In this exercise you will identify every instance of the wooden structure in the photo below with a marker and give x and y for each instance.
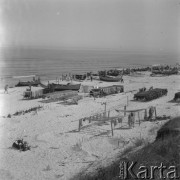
(28, 94)
(105, 117)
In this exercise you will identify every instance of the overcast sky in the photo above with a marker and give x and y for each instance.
(114, 24)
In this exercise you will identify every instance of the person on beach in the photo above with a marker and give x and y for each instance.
(6, 89)
(151, 112)
(131, 120)
(91, 77)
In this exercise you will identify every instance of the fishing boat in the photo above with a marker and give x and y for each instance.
(110, 78)
(80, 77)
(163, 70)
(27, 83)
(62, 87)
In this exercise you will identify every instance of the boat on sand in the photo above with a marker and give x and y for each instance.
(62, 87)
(110, 78)
(27, 83)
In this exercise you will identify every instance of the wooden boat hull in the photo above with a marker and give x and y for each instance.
(61, 87)
(167, 72)
(20, 84)
(110, 79)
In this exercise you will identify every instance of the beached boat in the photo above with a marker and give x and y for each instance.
(163, 70)
(81, 77)
(166, 72)
(110, 78)
(27, 83)
(62, 87)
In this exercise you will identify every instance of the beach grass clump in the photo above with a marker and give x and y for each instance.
(136, 143)
(77, 146)
(35, 109)
(139, 142)
(48, 168)
(153, 130)
(9, 116)
(128, 150)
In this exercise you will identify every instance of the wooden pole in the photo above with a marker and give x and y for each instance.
(108, 114)
(155, 112)
(139, 118)
(127, 100)
(145, 114)
(112, 127)
(124, 110)
(90, 119)
(80, 124)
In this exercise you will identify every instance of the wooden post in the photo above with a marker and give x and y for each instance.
(145, 114)
(155, 112)
(127, 100)
(124, 110)
(139, 118)
(80, 124)
(90, 119)
(112, 127)
(105, 106)
(108, 114)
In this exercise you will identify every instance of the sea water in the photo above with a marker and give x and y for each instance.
(23, 63)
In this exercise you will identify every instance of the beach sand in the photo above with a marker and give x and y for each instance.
(58, 150)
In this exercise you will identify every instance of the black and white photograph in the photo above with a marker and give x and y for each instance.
(89, 89)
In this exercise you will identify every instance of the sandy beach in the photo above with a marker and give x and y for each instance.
(58, 149)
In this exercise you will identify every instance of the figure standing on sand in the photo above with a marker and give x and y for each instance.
(6, 89)
(91, 77)
(131, 119)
